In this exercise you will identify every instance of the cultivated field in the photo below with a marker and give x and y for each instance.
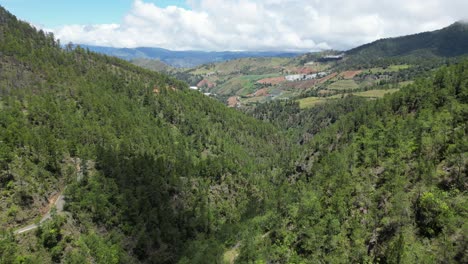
(375, 93)
(311, 101)
(391, 68)
(343, 85)
(349, 74)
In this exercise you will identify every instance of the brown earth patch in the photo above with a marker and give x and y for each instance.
(325, 92)
(302, 84)
(261, 92)
(306, 70)
(205, 83)
(349, 74)
(232, 101)
(326, 78)
(274, 80)
(52, 200)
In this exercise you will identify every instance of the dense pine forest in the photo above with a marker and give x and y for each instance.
(153, 172)
(422, 49)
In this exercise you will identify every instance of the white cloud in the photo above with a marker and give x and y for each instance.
(267, 24)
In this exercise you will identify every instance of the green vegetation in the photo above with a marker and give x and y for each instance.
(405, 83)
(242, 85)
(428, 47)
(343, 85)
(370, 187)
(149, 165)
(231, 255)
(375, 93)
(310, 101)
(391, 68)
(246, 65)
(157, 173)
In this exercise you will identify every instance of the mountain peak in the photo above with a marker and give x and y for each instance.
(460, 24)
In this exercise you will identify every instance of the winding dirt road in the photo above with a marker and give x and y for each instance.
(59, 204)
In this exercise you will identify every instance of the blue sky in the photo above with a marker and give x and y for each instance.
(260, 25)
(54, 13)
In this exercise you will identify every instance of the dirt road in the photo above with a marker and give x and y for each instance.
(59, 204)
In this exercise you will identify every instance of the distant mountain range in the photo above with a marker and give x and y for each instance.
(183, 59)
(451, 41)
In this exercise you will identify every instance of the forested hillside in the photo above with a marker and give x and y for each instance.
(448, 42)
(385, 183)
(153, 172)
(147, 164)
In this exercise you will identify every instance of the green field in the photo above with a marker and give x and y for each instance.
(236, 86)
(391, 68)
(343, 85)
(311, 101)
(405, 83)
(375, 93)
(284, 94)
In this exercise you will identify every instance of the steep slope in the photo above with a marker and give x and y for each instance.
(451, 41)
(156, 173)
(386, 183)
(147, 164)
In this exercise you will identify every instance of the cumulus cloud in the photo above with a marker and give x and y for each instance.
(304, 25)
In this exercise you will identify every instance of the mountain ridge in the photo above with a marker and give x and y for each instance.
(450, 41)
(183, 59)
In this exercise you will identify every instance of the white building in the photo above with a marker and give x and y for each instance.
(295, 77)
(303, 77)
